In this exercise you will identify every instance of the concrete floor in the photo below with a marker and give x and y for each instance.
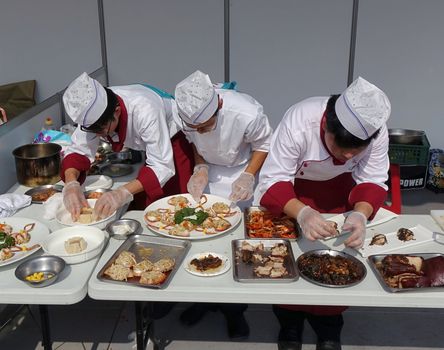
(110, 325)
(100, 325)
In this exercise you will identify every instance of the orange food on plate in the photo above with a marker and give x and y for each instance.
(263, 224)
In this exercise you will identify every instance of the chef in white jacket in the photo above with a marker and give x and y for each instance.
(328, 155)
(136, 116)
(230, 136)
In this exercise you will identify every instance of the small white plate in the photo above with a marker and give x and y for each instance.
(382, 216)
(438, 215)
(422, 235)
(54, 244)
(94, 182)
(213, 272)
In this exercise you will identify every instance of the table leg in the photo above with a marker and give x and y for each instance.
(142, 336)
(44, 318)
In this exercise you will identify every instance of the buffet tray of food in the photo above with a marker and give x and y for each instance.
(262, 224)
(331, 268)
(258, 260)
(408, 272)
(42, 193)
(145, 261)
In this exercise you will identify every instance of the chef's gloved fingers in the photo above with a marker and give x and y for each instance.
(313, 225)
(74, 199)
(198, 181)
(355, 223)
(109, 202)
(242, 188)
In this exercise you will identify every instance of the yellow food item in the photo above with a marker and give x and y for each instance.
(38, 277)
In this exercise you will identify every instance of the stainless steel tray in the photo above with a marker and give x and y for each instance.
(244, 272)
(362, 271)
(152, 248)
(43, 188)
(288, 222)
(373, 260)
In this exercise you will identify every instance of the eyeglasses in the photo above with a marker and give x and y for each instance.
(202, 129)
(96, 130)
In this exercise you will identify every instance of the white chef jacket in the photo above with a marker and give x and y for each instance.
(297, 151)
(150, 126)
(242, 127)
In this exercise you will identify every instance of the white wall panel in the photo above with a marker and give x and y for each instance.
(51, 41)
(400, 47)
(283, 51)
(160, 42)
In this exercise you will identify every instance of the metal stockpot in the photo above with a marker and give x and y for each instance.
(406, 137)
(37, 164)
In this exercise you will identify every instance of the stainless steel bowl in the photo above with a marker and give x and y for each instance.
(122, 228)
(90, 194)
(116, 170)
(37, 164)
(42, 189)
(50, 265)
(406, 137)
(119, 157)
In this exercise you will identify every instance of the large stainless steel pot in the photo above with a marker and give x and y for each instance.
(405, 136)
(37, 164)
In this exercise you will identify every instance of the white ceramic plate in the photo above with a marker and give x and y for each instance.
(382, 216)
(54, 244)
(213, 272)
(194, 235)
(94, 182)
(38, 234)
(63, 217)
(422, 235)
(438, 215)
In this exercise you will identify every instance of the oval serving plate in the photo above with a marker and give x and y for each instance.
(314, 275)
(224, 267)
(42, 191)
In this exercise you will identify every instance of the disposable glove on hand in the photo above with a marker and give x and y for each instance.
(109, 202)
(355, 223)
(313, 225)
(74, 199)
(242, 188)
(198, 181)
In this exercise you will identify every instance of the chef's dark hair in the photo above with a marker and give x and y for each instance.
(108, 115)
(343, 138)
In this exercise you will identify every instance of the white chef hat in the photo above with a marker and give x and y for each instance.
(362, 108)
(196, 98)
(85, 100)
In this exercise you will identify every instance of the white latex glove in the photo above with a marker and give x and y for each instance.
(109, 202)
(313, 225)
(242, 188)
(74, 199)
(355, 223)
(198, 181)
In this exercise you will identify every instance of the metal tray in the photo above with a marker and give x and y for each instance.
(152, 248)
(373, 260)
(43, 188)
(275, 233)
(243, 272)
(362, 271)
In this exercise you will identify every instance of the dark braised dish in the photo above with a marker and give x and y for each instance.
(206, 263)
(379, 239)
(327, 269)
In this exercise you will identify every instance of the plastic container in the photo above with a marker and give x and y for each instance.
(403, 154)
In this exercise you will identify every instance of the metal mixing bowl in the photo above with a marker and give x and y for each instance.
(122, 228)
(48, 264)
(405, 136)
